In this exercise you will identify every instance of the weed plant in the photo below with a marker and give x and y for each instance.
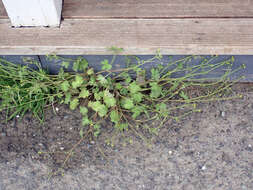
(115, 94)
(128, 97)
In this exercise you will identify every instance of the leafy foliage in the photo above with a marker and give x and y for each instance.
(115, 95)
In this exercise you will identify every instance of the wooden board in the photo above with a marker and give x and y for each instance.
(154, 9)
(136, 36)
(158, 9)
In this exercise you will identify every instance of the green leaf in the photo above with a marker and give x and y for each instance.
(109, 99)
(80, 64)
(156, 90)
(183, 95)
(137, 97)
(118, 86)
(75, 66)
(81, 133)
(78, 81)
(84, 93)
(74, 103)
(232, 59)
(102, 79)
(134, 88)
(155, 74)
(105, 65)
(65, 64)
(85, 121)
(101, 109)
(97, 96)
(114, 115)
(175, 85)
(180, 65)
(90, 71)
(137, 110)
(122, 126)
(92, 81)
(67, 98)
(116, 50)
(162, 108)
(127, 103)
(128, 80)
(83, 110)
(97, 130)
(96, 133)
(124, 91)
(141, 77)
(83, 64)
(65, 86)
(97, 126)
(153, 131)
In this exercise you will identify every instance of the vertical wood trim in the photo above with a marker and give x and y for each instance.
(34, 12)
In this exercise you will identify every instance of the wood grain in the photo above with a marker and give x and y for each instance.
(154, 9)
(136, 36)
(157, 8)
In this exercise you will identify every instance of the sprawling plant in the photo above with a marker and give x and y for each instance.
(128, 97)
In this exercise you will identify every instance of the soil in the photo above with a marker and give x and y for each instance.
(209, 150)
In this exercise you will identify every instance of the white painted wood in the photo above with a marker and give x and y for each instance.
(34, 12)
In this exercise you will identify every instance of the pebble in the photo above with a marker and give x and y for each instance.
(250, 145)
(3, 134)
(40, 144)
(203, 167)
(223, 114)
(170, 152)
(66, 117)
(61, 148)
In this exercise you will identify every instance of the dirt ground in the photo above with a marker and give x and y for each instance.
(205, 151)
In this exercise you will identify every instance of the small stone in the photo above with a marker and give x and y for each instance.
(170, 152)
(203, 167)
(92, 142)
(66, 117)
(223, 114)
(40, 144)
(61, 148)
(3, 134)
(17, 116)
(57, 109)
(250, 145)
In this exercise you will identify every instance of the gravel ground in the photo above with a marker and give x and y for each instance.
(208, 150)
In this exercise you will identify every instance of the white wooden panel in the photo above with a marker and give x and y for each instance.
(34, 12)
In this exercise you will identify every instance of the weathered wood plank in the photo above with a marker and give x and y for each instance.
(153, 9)
(157, 8)
(136, 36)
